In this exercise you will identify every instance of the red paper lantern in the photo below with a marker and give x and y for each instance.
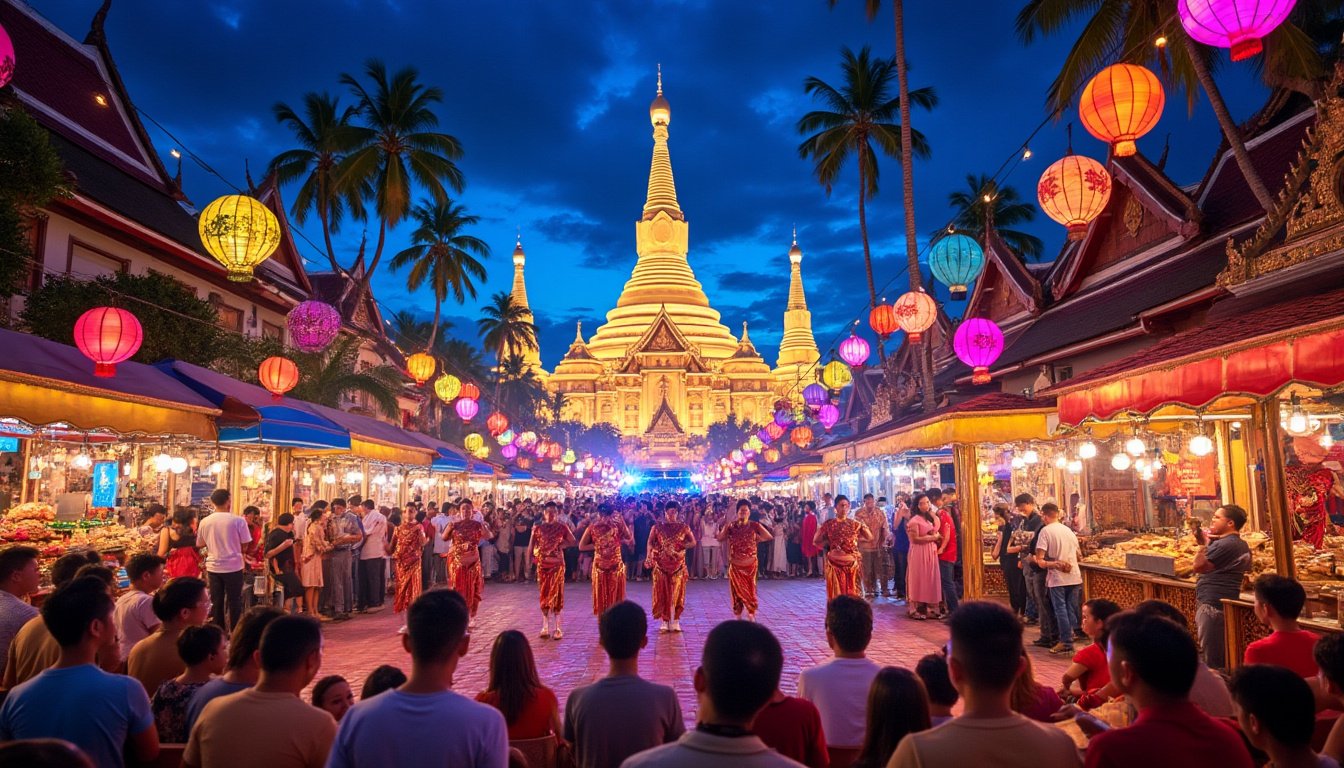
(801, 436)
(278, 375)
(915, 312)
(470, 391)
(775, 430)
(883, 320)
(107, 336)
(497, 423)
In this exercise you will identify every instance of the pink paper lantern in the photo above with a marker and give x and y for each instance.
(107, 336)
(854, 350)
(313, 325)
(509, 451)
(1235, 24)
(978, 343)
(467, 408)
(828, 415)
(6, 58)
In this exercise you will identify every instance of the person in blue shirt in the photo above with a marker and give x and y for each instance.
(103, 714)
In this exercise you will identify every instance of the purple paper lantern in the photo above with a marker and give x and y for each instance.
(816, 395)
(313, 325)
(978, 343)
(828, 415)
(854, 350)
(764, 436)
(467, 408)
(1235, 24)
(509, 451)
(783, 418)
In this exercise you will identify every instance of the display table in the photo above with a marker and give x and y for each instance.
(994, 585)
(1242, 628)
(1129, 588)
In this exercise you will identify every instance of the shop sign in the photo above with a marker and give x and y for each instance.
(105, 474)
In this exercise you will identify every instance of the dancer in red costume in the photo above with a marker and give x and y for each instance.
(549, 540)
(742, 536)
(464, 558)
(668, 542)
(604, 539)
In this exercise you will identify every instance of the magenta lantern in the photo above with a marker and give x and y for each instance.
(1235, 24)
(828, 415)
(978, 343)
(816, 395)
(854, 350)
(107, 336)
(783, 418)
(313, 325)
(467, 408)
(738, 457)
(6, 58)
(509, 451)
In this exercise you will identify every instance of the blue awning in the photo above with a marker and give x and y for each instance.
(519, 475)
(449, 462)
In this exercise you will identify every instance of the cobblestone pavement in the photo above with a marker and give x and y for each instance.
(794, 609)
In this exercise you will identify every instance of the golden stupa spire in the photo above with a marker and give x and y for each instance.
(531, 355)
(798, 348)
(662, 189)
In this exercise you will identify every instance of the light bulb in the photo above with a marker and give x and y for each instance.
(82, 461)
(1146, 473)
(266, 475)
(1018, 462)
(1087, 450)
(1298, 423)
(216, 467)
(981, 468)
(1120, 462)
(1201, 445)
(162, 462)
(1141, 464)
(177, 465)
(1075, 467)
(1061, 461)
(1134, 447)
(1326, 440)
(1030, 456)
(249, 469)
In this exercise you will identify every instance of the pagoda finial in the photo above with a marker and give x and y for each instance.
(578, 332)
(660, 78)
(795, 234)
(744, 331)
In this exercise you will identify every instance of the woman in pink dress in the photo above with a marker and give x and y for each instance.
(805, 538)
(924, 587)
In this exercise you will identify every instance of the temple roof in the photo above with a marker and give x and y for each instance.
(664, 421)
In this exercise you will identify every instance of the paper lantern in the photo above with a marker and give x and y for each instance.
(466, 409)
(555, 451)
(957, 261)
(6, 58)
(505, 437)
(509, 452)
(801, 435)
(738, 456)
(1235, 24)
(1201, 445)
(978, 342)
(313, 325)
(473, 441)
(240, 233)
(828, 415)
(836, 375)
(771, 455)
(776, 430)
(1074, 191)
(783, 417)
(751, 466)
(470, 391)
(568, 456)
(420, 366)
(915, 312)
(756, 443)
(107, 336)
(1120, 104)
(526, 440)
(482, 453)
(497, 423)
(882, 318)
(447, 386)
(816, 395)
(278, 375)
(854, 350)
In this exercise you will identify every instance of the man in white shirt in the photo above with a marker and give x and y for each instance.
(373, 557)
(827, 508)
(1057, 553)
(223, 535)
(134, 613)
(19, 578)
(839, 687)
(438, 571)
(709, 544)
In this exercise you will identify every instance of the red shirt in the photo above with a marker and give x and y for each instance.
(948, 528)
(1098, 673)
(535, 719)
(1286, 649)
(792, 727)
(1170, 736)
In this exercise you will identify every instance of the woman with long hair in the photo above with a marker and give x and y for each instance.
(177, 545)
(315, 549)
(1008, 561)
(408, 546)
(923, 584)
(1036, 701)
(897, 705)
(530, 709)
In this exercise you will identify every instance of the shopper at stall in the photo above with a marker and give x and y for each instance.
(947, 547)
(871, 548)
(1278, 603)
(373, 558)
(134, 613)
(1057, 554)
(204, 653)
(280, 549)
(180, 604)
(1008, 560)
(839, 687)
(223, 536)
(923, 583)
(178, 546)
(315, 552)
(1038, 599)
(1276, 710)
(1221, 563)
(19, 578)
(1089, 669)
(151, 522)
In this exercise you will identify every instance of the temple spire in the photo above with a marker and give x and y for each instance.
(798, 348)
(531, 355)
(662, 189)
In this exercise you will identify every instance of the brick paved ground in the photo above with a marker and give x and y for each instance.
(793, 609)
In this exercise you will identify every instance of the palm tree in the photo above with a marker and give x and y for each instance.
(983, 197)
(441, 254)
(519, 392)
(1124, 30)
(334, 374)
(555, 404)
(857, 119)
(724, 436)
(506, 326)
(324, 136)
(395, 146)
(461, 359)
(408, 330)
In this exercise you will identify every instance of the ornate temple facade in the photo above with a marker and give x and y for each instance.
(663, 368)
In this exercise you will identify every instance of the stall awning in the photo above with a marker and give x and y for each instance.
(1253, 354)
(519, 476)
(43, 382)
(378, 440)
(252, 415)
(991, 418)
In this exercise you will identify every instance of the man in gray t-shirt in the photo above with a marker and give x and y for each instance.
(1221, 564)
(622, 713)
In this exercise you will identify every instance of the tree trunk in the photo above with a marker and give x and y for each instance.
(434, 329)
(323, 214)
(908, 192)
(1230, 131)
(863, 232)
(367, 277)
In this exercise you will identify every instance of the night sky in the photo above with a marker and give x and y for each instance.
(550, 100)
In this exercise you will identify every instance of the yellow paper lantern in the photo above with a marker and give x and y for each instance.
(473, 442)
(420, 366)
(1120, 104)
(240, 233)
(836, 375)
(481, 453)
(1074, 191)
(447, 386)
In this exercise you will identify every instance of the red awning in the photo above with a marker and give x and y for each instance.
(1253, 354)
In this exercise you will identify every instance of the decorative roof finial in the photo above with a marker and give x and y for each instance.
(578, 331)
(660, 78)
(520, 236)
(795, 234)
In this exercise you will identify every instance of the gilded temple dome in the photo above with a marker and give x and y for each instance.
(660, 111)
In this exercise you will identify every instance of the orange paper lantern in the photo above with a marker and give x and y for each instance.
(470, 391)
(1120, 104)
(883, 320)
(278, 375)
(497, 423)
(1074, 191)
(915, 312)
(801, 436)
(420, 366)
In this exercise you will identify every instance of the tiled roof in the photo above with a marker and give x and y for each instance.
(1226, 199)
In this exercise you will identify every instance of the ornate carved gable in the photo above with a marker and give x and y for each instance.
(663, 346)
(664, 421)
(1006, 288)
(1309, 212)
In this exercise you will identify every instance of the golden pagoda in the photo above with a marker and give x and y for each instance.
(531, 354)
(796, 365)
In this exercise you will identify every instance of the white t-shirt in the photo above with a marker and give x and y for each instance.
(375, 535)
(135, 619)
(708, 530)
(223, 535)
(1059, 542)
(415, 730)
(1011, 742)
(839, 689)
(440, 522)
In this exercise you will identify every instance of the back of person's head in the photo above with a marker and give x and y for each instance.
(285, 518)
(66, 566)
(181, 594)
(338, 503)
(1163, 610)
(47, 753)
(138, 565)
(849, 622)
(1235, 515)
(288, 642)
(513, 673)
(897, 705)
(986, 645)
(383, 678)
(1281, 593)
(183, 516)
(97, 571)
(935, 495)
(622, 630)
(932, 671)
(16, 559)
(740, 666)
(195, 644)
(1049, 509)
(246, 638)
(220, 497)
(1274, 701)
(1329, 655)
(70, 610)
(368, 504)
(436, 623)
(1157, 651)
